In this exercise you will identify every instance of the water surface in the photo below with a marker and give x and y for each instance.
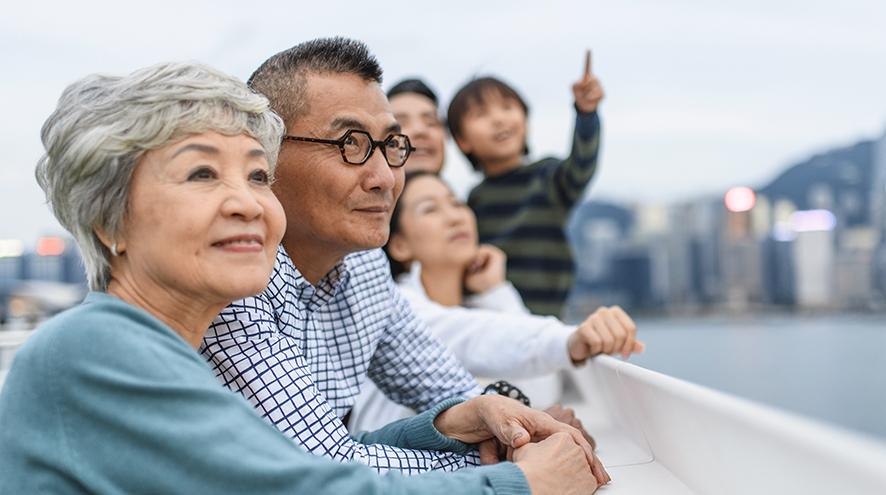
(830, 368)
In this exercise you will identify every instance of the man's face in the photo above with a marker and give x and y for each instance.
(331, 205)
(417, 115)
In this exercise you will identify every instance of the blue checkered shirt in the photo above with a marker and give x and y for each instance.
(299, 353)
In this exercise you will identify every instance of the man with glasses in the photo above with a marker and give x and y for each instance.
(331, 315)
(357, 146)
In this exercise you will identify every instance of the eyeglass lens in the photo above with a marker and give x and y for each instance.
(358, 145)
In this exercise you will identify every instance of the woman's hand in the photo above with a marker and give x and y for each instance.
(511, 423)
(567, 415)
(487, 270)
(607, 331)
(555, 466)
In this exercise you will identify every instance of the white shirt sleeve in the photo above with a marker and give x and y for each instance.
(500, 342)
(503, 297)
(495, 337)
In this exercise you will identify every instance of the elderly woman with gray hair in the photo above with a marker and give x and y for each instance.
(162, 177)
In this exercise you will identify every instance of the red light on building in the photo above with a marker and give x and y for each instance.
(740, 199)
(50, 246)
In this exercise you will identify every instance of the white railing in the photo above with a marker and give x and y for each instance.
(658, 434)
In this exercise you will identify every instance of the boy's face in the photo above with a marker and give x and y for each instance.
(494, 131)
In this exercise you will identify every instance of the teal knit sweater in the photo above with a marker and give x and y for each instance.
(106, 399)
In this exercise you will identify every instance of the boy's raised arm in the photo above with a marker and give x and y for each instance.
(573, 174)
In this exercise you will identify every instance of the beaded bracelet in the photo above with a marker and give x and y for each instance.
(502, 387)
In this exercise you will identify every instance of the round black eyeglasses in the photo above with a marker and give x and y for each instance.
(357, 146)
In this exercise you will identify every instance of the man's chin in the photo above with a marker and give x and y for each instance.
(374, 240)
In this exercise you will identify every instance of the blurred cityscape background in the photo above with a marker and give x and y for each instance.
(814, 238)
(36, 283)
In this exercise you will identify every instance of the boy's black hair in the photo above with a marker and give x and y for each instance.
(416, 86)
(474, 93)
(398, 268)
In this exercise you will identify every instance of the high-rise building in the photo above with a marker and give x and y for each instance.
(878, 217)
(878, 186)
(853, 277)
(814, 258)
(55, 259)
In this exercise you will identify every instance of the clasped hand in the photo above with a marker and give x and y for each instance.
(516, 427)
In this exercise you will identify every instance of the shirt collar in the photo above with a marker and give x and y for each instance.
(309, 295)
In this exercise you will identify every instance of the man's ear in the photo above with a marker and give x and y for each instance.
(399, 249)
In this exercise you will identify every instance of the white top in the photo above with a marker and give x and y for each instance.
(494, 336)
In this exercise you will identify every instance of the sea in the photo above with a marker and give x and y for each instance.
(831, 368)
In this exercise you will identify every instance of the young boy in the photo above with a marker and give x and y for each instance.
(523, 208)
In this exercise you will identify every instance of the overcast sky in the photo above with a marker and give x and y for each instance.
(700, 95)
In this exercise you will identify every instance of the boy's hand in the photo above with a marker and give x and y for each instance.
(487, 270)
(587, 91)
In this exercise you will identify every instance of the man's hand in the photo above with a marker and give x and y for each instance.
(587, 91)
(607, 331)
(567, 415)
(492, 451)
(511, 423)
(487, 270)
(555, 466)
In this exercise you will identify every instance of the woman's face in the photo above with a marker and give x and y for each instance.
(202, 219)
(435, 227)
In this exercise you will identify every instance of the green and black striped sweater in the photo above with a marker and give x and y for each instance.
(524, 212)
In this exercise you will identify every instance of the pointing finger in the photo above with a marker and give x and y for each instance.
(587, 72)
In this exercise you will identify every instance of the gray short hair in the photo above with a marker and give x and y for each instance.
(283, 77)
(104, 124)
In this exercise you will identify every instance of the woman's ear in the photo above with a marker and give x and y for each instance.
(399, 249)
(115, 247)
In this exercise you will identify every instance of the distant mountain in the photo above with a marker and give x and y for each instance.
(839, 180)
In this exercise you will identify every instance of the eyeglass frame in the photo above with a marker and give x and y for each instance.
(373, 144)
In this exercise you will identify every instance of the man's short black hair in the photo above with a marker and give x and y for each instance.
(283, 77)
(475, 93)
(416, 86)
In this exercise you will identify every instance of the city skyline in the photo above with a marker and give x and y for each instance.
(813, 238)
